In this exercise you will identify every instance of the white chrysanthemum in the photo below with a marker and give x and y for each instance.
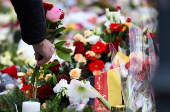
(62, 84)
(79, 90)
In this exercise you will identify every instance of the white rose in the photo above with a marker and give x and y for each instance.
(31, 61)
(22, 55)
(93, 39)
(6, 60)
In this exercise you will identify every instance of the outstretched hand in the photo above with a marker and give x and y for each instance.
(45, 49)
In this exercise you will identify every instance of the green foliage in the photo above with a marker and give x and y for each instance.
(52, 106)
(13, 99)
(63, 52)
(50, 65)
(139, 110)
(58, 30)
(64, 56)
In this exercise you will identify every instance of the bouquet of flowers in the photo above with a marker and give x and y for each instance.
(137, 66)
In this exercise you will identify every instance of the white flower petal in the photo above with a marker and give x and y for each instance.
(92, 93)
(93, 39)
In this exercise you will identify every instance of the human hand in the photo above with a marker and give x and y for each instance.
(45, 49)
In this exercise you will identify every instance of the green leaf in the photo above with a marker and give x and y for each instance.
(139, 110)
(30, 66)
(60, 44)
(48, 36)
(128, 109)
(50, 80)
(66, 57)
(54, 79)
(122, 34)
(58, 30)
(50, 65)
(64, 50)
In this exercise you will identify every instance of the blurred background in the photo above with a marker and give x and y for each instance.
(80, 15)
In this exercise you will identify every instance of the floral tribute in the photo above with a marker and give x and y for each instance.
(122, 46)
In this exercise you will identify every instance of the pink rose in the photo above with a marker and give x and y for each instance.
(54, 14)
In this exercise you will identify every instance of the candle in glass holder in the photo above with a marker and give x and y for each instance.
(30, 106)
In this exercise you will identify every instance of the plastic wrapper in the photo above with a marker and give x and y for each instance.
(137, 62)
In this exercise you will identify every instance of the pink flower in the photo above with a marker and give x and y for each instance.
(54, 14)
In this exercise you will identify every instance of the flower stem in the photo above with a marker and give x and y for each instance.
(32, 80)
(103, 100)
(37, 74)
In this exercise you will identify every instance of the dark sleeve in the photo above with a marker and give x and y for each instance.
(32, 20)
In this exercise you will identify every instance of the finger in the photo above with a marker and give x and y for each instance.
(37, 55)
(53, 46)
(43, 61)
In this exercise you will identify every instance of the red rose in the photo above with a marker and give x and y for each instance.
(79, 47)
(62, 15)
(45, 91)
(55, 69)
(47, 6)
(141, 76)
(115, 27)
(63, 76)
(99, 47)
(96, 65)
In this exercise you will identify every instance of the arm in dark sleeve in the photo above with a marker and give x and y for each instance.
(32, 20)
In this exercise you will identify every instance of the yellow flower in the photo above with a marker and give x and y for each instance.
(47, 76)
(87, 33)
(41, 76)
(78, 56)
(96, 72)
(75, 73)
(84, 41)
(91, 53)
(127, 24)
(97, 55)
(44, 105)
(78, 37)
(82, 60)
(30, 72)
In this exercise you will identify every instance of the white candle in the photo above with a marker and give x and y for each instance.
(30, 106)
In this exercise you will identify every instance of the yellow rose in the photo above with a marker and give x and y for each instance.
(96, 72)
(82, 60)
(47, 76)
(97, 55)
(78, 37)
(75, 73)
(91, 53)
(84, 41)
(78, 56)
(87, 33)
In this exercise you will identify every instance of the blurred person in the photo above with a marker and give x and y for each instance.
(32, 20)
